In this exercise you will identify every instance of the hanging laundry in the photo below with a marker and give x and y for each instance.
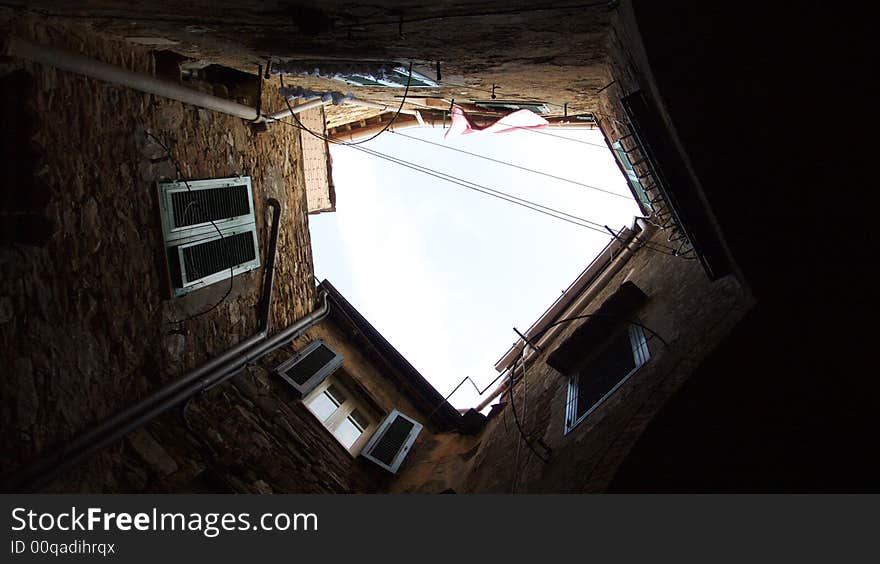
(519, 119)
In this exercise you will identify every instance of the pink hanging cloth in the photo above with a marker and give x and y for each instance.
(519, 119)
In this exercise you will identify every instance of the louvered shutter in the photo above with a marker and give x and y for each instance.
(188, 208)
(192, 213)
(308, 368)
(390, 444)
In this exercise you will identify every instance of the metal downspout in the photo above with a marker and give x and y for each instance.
(578, 304)
(43, 470)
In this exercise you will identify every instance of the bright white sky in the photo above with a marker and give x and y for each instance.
(445, 273)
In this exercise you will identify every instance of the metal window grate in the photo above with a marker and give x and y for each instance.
(211, 257)
(193, 207)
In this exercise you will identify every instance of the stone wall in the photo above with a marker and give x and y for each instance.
(254, 434)
(689, 313)
(85, 328)
(555, 54)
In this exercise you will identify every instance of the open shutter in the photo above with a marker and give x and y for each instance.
(391, 443)
(192, 213)
(199, 261)
(308, 368)
(188, 208)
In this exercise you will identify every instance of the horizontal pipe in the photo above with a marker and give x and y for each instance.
(72, 62)
(307, 105)
(47, 467)
(194, 387)
(383, 107)
(38, 475)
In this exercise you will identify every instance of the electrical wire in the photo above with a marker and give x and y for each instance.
(552, 212)
(597, 314)
(510, 97)
(581, 141)
(525, 394)
(351, 143)
(195, 203)
(458, 181)
(650, 245)
(528, 204)
(522, 433)
(484, 157)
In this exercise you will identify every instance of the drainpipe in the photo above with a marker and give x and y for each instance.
(65, 60)
(307, 105)
(265, 306)
(383, 107)
(216, 371)
(578, 304)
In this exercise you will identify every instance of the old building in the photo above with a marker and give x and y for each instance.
(592, 372)
(742, 295)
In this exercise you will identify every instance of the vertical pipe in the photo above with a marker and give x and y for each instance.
(48, 466)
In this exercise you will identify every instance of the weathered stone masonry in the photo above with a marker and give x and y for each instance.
(88, 331)
(688, 311)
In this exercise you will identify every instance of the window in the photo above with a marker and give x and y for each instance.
(392, 441)
(390, 74)
(192, 213)
(308, 368)
(346, 414)
(513, 105)
(604, 372)
(396, 77)
(341, 413)
(631, 176)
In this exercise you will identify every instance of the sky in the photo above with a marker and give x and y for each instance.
(446, 273)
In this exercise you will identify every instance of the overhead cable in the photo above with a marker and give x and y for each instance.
(547, 174)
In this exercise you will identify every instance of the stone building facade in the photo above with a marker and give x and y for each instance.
(525, 446)
(86, 328)
(80, 343)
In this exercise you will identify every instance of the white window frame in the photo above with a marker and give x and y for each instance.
(405, 446)
(341, 413)
(641, 354)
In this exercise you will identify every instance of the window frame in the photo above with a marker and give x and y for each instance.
(641, 355)
(400, 72)
(341, 413)
(632, 177)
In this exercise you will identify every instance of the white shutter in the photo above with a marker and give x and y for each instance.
(308, 368)
(188, 208)
(392, 440)
(192, 212)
